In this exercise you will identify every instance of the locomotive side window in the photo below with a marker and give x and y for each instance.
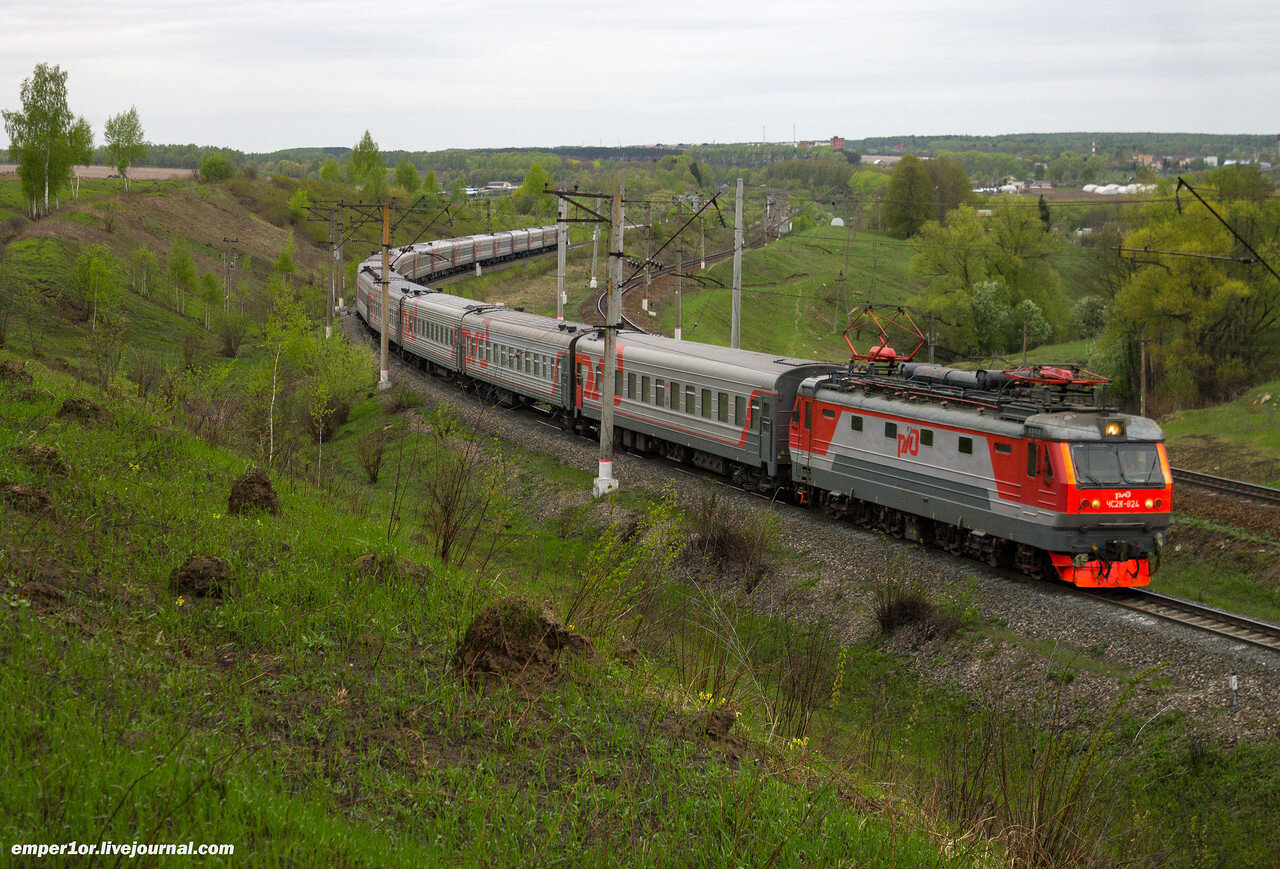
(706, 404)
(722, 406)
(1033, 463)
(1048, 464)
(1004, 449)
(828, 413)
(926, 437)
(966, 446)
(891, 429)
(855, 422)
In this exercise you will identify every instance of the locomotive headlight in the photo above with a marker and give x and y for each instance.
(1113, 430)
(1149, 503)
(1084, 503)
(1096, 503)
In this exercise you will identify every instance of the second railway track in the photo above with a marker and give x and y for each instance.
(1266, 494)
(1196, 615)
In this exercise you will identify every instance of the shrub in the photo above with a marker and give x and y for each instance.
(216, 167)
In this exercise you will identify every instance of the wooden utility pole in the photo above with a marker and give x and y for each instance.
(229, 263)
(1142, 372)
(562, 246)
(605, 481)
(384, 381)
(702, 227)
(735, 328)
(679, 271)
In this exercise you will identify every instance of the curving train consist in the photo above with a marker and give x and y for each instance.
(1024, 466)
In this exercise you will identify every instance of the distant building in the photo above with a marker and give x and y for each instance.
(499, 187)
(837, 143)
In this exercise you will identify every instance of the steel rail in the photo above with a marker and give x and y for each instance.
(1191, 614)
(1224, 484)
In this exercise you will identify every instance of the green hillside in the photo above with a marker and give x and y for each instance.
(380, 674)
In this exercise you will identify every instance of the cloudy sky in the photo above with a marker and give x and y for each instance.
(489, 73)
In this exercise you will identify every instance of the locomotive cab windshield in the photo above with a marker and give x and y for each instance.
(1104, 466)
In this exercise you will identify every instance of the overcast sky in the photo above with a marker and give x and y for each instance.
(266, 75)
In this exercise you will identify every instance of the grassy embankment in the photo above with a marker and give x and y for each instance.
(316, 707)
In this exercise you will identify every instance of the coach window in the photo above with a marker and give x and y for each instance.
(926, 437)
(631, 384)
(617, 383)
(706, 404)
(690, 400)
(644, 389)
(1033, 455)
(891, 429)
(659, 395)
(673, 394)
(966, 446)
(722, 406)
(739, 410)
(855, 422)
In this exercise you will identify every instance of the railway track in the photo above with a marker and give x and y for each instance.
(1223, 484)
(1185, 612)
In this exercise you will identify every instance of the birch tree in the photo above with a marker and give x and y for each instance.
(45, 140)
(125, 141)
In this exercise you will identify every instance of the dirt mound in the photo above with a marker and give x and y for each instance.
(390, 568)
(14, 369)
(516, 642)
(28, 499)
(84, 410)
(201, 576)
(715, 725)
(253, 491)
(41, 458)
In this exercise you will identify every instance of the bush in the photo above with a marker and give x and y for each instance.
(216, 167)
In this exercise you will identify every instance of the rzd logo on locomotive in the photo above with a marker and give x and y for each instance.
(909, 443)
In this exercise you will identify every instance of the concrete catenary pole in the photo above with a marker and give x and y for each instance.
(333, 277)
(595, 248)
(648, 234)
(702, 233)
(562, 246)
(735, 328)
(679, 273)
(605, 481)
(342, 272)
(384, 381)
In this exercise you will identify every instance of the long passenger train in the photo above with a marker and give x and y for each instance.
(1024, 466)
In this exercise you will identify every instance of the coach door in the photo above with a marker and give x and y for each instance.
(763, 407)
